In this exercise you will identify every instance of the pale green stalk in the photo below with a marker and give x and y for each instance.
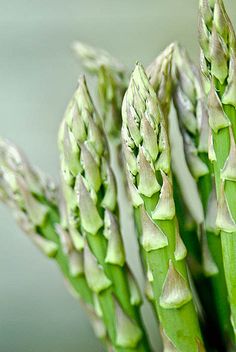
(190, 104)
(218, 64)
(160, 75)
(33, 200)
(91, 199)
(147, 155)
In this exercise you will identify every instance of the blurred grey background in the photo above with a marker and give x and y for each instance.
(38, 74)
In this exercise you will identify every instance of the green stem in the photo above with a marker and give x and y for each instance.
(219, 288)
(217, 281)
(228, 240)
(78, 283)
(120, 288)
(181, 324)
(209, 289)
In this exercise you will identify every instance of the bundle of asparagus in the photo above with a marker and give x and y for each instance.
(190, 274)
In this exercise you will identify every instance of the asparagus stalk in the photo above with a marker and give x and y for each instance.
(33, 199)
(218, 58)
(90, 192)
(160, 75)
(192, 113)
(147, 155)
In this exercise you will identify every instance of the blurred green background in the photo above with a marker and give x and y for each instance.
(38, 75)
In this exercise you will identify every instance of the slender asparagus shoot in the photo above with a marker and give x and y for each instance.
(147, 155)
(33, 199)
(191, 108)
(93, 58)
(218, 58)
(90, 192)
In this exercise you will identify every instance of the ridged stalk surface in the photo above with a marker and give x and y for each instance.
(147, 154)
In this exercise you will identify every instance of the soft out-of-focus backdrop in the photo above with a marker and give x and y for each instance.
(38, 75)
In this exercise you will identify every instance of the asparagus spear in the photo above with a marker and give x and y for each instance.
(93, 58)
(147, 155)
(90, 192)
(218, 58)
(192, 113)
(160, 75)
(33, 199)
